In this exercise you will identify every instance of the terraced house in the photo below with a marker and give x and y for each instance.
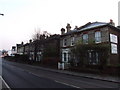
(97, 32)
(20, 48)
(45, 50)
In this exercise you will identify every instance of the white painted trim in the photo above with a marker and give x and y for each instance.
(5, 83)
(67, 84)
(113, 38)
(65, 51)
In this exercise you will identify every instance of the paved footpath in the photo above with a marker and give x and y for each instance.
(87, 75)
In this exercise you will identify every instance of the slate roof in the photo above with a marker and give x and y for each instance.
(86, 27)
(93, 25)
(70, 32)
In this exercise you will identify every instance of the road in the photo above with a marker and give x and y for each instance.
(19, 78)
(19, 75)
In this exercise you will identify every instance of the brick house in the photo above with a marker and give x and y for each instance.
(13, 51)
(26, 49)
(51, 49)
(31, 50)
(20, 48)
(99, 32)
(37, 50)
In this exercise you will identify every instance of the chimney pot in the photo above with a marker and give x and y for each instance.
(76, 27)
(62, 31)
(22, 43)
(30, 40)
(112, 23)
(68, 27)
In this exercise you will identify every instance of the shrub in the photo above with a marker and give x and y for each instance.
(80, 52)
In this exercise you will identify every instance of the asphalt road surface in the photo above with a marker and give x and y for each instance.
(18, 78)
(26, 76)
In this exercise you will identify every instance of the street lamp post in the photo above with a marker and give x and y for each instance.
(1, 14)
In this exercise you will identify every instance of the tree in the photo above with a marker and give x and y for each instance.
(81, 52)
(39, 38)
(4, 52)
(50, 51)
(36, 35)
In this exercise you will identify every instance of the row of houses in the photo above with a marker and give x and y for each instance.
(41, 49)
(59, 46)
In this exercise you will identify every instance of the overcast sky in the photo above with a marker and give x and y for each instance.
(23, 17)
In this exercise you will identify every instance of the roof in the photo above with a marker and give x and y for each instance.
(70, 32)
(93, 25)
(87, 26)
(53, 37)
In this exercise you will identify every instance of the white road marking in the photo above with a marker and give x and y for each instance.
(5, 83)
(67, 84)
(57, 81)
(34, 74)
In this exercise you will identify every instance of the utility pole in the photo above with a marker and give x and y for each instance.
(1, 14)
(119, 13)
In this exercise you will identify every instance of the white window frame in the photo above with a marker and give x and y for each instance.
(113, 38)
(72, 41)
(98, 37)
(114, 49)
(85, 38)
(64, 41)
(63, 57)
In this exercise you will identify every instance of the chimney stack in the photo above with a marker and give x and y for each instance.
(76, 27)
(22, 43)
(68, 27)
(112, 23)
(30, 40)
(62, 31)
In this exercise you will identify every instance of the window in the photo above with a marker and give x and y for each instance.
(114, 48)
(98, 37)
(93, 57)
(90, 56)
(72, 41)
(113, 38)
(85, 38)
(64, 42)
(64, 56)
(97, 58)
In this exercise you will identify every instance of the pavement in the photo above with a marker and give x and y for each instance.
(79, 74)
(86, 75)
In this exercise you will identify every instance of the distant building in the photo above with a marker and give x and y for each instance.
(9, 53)
(13, 50)
(0, 53)
(20, 48)
(4, 53)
